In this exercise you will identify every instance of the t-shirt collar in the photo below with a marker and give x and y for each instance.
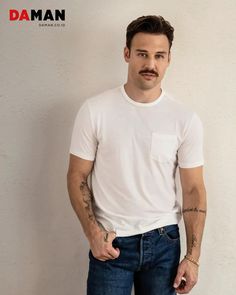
(141, 104)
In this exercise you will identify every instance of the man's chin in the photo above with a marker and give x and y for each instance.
(147, 85)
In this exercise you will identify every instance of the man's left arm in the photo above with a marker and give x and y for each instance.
(194, 215)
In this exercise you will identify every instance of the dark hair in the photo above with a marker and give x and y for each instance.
(151, 24)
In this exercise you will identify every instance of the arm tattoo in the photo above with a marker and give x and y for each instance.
(194, 243)
(87, 198)
(194, 210)
(106, 237)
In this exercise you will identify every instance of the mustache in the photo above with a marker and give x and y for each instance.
(149, 72)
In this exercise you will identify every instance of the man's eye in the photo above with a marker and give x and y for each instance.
(142, 54)
(159, 56)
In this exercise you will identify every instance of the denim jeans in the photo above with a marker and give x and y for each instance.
(149, 261)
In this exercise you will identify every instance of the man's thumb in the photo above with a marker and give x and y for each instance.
(118, 251)
(178, 279)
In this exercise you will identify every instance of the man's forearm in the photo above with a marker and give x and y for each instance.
(81, 198)
(194, 214)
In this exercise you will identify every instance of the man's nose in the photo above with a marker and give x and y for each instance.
(150, 63)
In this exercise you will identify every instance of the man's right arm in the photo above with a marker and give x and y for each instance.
(80, 195)
(81, 198)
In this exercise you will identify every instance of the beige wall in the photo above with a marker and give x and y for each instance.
(46, 73)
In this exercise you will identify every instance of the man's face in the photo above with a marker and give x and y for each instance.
(148, 60)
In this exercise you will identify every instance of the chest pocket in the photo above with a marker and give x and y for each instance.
(163, 147)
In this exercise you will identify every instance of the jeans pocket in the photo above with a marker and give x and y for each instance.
(93, 258)
(115, 242)
(172, 233)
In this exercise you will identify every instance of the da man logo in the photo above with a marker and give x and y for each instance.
(34, 15)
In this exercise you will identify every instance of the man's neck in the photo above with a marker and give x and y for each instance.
(140, 95)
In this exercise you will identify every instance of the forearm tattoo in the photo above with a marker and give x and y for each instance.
(194, 210)
(87, 198)
(194, 243)
(106, 237)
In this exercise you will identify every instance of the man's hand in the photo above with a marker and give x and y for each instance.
(189, 272)
(101, 245)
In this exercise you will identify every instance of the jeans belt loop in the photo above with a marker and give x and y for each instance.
(161, 230)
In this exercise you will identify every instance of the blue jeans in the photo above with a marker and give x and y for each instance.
(149, 260)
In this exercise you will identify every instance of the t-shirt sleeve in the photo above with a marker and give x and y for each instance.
(190, 152)
(83, 139)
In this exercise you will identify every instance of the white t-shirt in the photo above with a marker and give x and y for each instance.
(136, 148)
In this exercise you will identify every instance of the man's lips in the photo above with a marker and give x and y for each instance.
(148, 75)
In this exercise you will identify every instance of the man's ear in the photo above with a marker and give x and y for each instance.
(126, 54)
(169, 57)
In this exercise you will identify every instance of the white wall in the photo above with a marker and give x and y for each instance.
(46, 73)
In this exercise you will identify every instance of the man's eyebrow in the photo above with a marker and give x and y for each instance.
(143, 50)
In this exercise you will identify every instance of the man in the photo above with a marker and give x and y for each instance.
(131, 140)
